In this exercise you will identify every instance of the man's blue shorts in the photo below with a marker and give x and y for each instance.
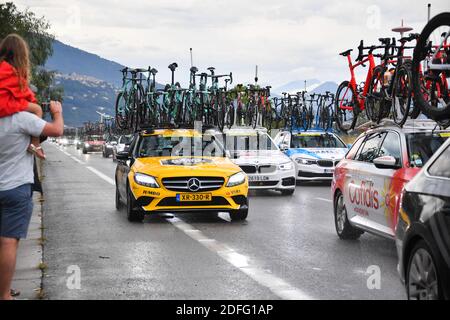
(16, 208)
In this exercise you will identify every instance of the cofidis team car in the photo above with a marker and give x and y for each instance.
(315, 153)
(178, 170)
(423, 230)
(258, 156)
(368, 182)
(93, 143)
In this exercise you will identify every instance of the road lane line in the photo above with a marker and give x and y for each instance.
(101, 175)
(278, 286)
(323, 199)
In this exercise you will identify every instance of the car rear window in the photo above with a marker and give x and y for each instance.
(422, 146)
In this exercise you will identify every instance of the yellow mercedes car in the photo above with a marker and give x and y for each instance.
(178, 170)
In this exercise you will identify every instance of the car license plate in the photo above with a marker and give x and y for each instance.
(258, 178)
(196, 197)
(329, 170)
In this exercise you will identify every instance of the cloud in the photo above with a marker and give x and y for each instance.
(288, 39)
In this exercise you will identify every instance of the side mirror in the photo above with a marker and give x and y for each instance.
(386, 162)
(113, 143)
(349, 145)
(283, 146)
(227, 154)
(123, 155)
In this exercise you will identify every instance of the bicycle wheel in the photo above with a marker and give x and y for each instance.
(433, 98)
(402, 94)
(267, 116)
(229, 115)
(376, 103)
(325, 118)
(220, 112)
(250, 115)
(344, 106)
(121, 110)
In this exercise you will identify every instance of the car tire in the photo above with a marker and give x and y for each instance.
(132, 214)
(239, 215)
(118, 203)
(422, 258)
(344, 229)
(84, 151)
(287, 192)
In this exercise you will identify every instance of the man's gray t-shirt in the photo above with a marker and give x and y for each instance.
(16, 163)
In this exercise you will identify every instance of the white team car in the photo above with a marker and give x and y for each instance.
(315, 153)
(254, 151)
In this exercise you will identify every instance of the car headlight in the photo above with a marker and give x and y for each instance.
(306, 161)
(236, 179)
(86, 145)
(286, 166)
(145, 180)
(76, 141)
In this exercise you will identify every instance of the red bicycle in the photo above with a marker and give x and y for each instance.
(351, 97)
(431, 66)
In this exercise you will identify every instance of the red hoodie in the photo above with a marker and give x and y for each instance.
(12, 98)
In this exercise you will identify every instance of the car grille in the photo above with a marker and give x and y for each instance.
(181, 183)
(172, 202)
(263, 169)
(262, 183)
(325, 163)
(314, 175)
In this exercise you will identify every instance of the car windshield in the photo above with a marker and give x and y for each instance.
(261, 142)
(316, 141)
(172, 146)
(421, 146)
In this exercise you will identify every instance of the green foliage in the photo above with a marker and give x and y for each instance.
(35, 30)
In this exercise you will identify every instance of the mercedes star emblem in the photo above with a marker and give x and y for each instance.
(193, 184)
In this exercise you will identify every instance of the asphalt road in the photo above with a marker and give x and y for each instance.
(287, 248)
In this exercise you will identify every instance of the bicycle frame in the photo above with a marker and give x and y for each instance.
(360, 96)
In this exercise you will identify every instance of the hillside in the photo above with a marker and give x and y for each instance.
(67, 59)
(83, 96)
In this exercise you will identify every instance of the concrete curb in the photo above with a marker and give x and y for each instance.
(28, 275)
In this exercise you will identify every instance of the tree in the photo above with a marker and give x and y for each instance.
(35, 30)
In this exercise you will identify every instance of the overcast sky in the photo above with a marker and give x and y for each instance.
(288, 39)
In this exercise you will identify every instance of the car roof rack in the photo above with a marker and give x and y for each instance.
(410, 124)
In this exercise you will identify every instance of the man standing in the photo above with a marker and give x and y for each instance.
(16, 179)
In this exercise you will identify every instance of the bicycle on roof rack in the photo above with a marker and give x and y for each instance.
(350, 98)
(431, 69)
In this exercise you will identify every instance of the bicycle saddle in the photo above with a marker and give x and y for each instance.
(153, 71)
(173, 66)
(385, 41)
(194, 70)
(211, 69)
(346, 53)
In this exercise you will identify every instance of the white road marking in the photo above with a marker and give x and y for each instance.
(278, 286)
(102, 176)
(77, 160)
(323, 199)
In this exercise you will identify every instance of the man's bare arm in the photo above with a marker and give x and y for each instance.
(56, 127)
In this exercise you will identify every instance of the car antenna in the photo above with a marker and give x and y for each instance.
(192, 60)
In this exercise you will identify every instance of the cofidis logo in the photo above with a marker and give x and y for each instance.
(364, 194)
